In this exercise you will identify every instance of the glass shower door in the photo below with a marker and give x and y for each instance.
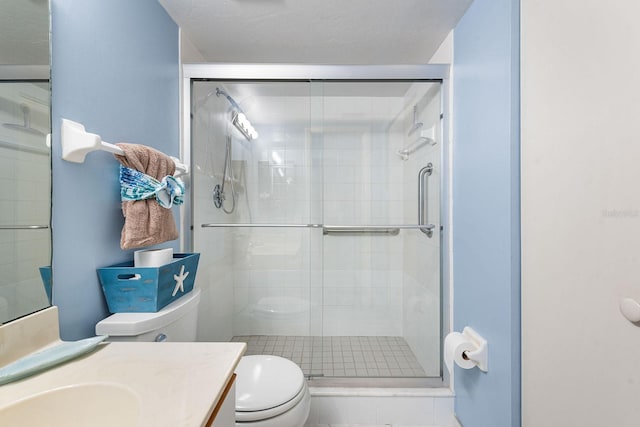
(381, 271)
(321, 251)
(255, 235)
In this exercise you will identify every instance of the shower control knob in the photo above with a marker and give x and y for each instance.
(218, 196)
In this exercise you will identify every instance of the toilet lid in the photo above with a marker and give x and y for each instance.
(264, 382)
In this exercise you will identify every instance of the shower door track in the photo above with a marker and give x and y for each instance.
(319, 380)
(302, 72)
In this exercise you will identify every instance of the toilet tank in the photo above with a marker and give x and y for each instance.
(177, 321)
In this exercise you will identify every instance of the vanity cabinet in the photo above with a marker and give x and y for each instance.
(224, 414)
(123, 375)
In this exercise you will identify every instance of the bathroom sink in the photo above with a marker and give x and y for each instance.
(81, 405)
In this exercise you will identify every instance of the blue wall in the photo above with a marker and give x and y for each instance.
(115, 69)
(486, 207)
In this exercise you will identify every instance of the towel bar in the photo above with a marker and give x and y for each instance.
(244, 225)
(23, 227)
(391, 231)
(334, 229)
(77, 143)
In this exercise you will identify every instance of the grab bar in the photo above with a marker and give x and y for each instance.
(423, 197)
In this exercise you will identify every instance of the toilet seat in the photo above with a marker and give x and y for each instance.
(247, 416)
(267, 386)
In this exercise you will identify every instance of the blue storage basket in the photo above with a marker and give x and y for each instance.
(147, 289)
(45, 275)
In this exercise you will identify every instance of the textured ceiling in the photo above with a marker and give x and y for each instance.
(316, 31)
(24, 32)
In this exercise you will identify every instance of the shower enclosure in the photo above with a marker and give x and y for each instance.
(317, 213)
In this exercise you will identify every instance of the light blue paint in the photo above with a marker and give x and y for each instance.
(486, 208)
(115, 69)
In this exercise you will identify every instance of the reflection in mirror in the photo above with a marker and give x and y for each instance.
(25, 160)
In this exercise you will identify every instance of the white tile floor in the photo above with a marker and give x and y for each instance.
(340, 356)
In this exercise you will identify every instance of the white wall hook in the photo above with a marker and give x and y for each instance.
(630, 309)
(481, 354)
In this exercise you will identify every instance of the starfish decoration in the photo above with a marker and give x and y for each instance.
(179, 281)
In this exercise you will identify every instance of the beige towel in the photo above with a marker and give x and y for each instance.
(146, 223)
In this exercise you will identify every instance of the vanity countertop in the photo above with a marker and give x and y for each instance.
(178, 384)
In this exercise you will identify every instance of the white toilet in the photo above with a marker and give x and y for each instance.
(270, 391)
(177, 321)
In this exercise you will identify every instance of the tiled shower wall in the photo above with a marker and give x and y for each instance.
(26, 178)
(332, 285)
(362, 273)
(273, 287)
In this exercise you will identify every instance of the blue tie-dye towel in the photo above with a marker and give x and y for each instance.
(135, 185)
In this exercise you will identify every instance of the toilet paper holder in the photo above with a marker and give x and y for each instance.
(481, 355)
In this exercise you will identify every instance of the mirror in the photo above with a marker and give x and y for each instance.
(25, 158)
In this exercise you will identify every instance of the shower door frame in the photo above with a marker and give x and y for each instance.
(345, 73)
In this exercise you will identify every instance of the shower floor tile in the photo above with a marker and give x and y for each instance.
(340, 356)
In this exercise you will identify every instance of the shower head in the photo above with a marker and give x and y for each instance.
(26, 123)
(238, 118)
(245, 127)
(232, 101)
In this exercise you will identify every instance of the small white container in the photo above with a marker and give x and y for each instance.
(152, 257)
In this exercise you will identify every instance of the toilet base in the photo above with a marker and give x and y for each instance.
(294, 417)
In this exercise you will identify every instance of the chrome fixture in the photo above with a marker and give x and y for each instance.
(240, 121)
(238, 118)
(361, 229)
(392, 230)
(251, 225)
(243, 124)
(422, 198)
(218, 190)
